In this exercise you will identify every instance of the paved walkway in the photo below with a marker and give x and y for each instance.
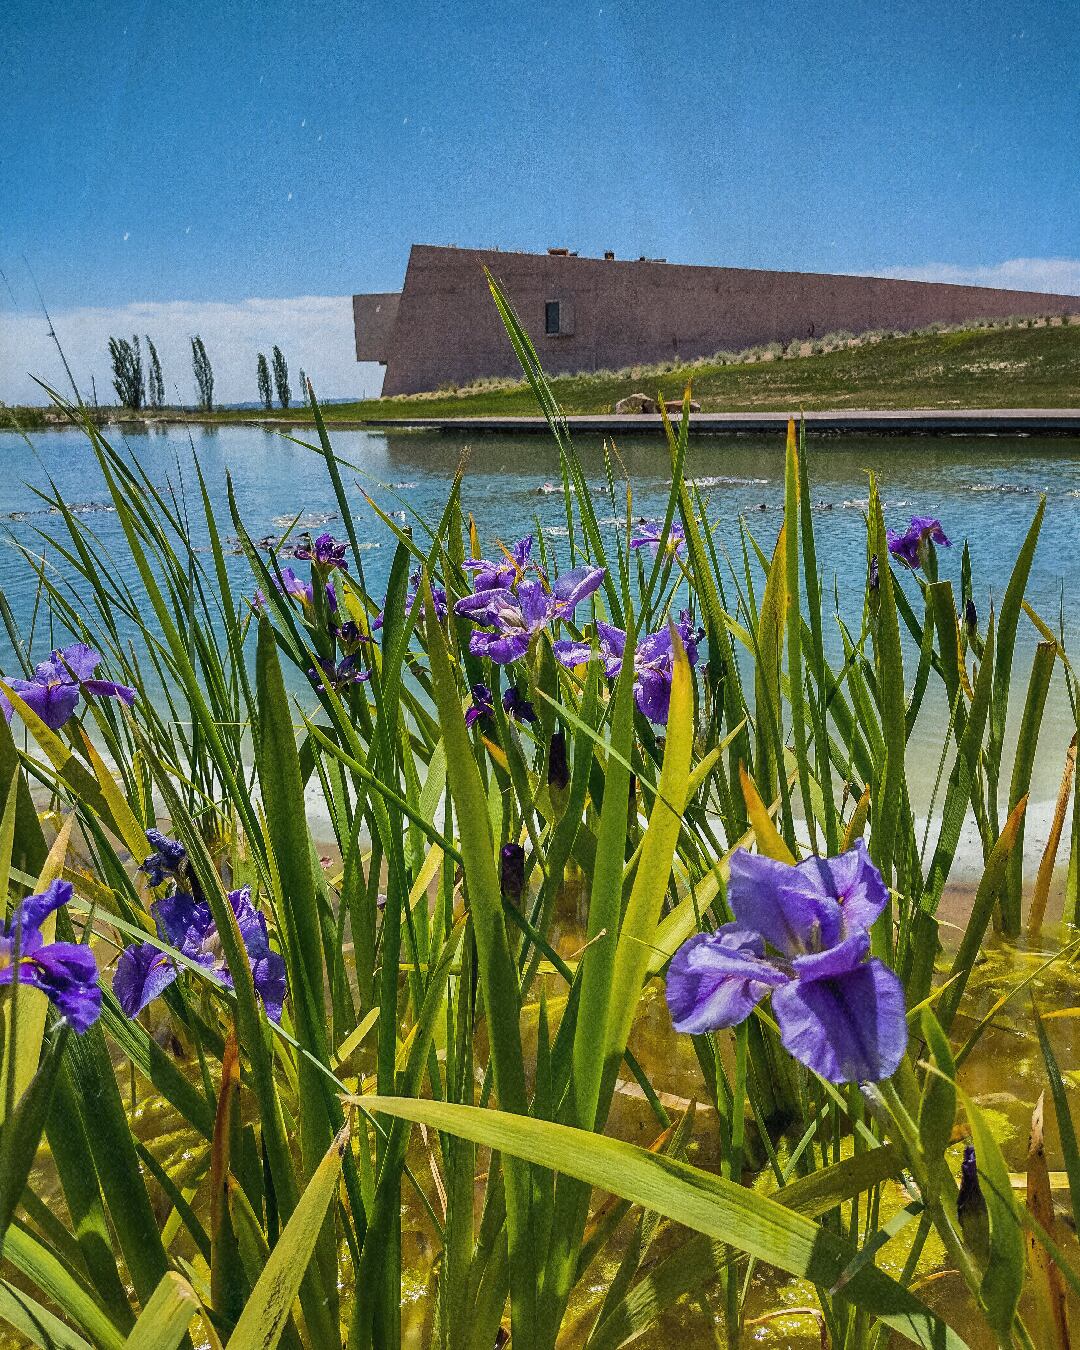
(902, 422)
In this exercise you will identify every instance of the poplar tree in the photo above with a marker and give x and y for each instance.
(155, 382)
(127, 368)
(266, 394)
(204, 374)
(281, 378)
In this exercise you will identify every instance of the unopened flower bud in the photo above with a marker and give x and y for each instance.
(512, 872)
(971, 1209)
(558, 770)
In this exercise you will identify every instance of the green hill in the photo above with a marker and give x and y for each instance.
(999, 367)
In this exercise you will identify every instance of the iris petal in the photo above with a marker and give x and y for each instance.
(654, 647)
(833, 961)
(80, 660)
(853, 881)
(574, 586)
(142, 973)
(67, 973)
(774, 900)
(250, 921)
(571, 654)
(502, 648)
(483, 600)
(182, 922)
(34, 910)
(715, 980)
(110, 689)
(268, 974)
(53, 703)
(612, 639)
(534, 603)
(848, 1028)
(653, 694)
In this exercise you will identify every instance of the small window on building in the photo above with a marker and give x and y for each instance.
(559, 318)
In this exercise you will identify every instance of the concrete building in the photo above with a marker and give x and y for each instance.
(603, 313)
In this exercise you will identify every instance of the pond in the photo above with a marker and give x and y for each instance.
(984, 490)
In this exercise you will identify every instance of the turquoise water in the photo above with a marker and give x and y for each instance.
(984, 489)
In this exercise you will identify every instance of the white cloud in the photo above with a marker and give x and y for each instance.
(314, 331)
(1060, 276)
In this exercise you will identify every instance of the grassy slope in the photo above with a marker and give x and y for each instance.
(975, 368)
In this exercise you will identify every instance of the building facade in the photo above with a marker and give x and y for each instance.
(588, 314)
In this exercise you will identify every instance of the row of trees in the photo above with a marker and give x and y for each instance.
(280, 381)
(140, 385)
(137, 386)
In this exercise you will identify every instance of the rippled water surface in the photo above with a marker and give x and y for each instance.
(984, 489)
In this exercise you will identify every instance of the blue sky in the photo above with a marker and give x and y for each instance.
(212, 153)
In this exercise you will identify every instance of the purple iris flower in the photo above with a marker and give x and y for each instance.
(839, 1013)
(481, 705)
(291, 585)
(515, 617)
(438, 595)
(345, 672)
(572, 587)
(518, 615)
(165, 860)
(503, 574)
(143, 971)
(54, 688)
(297, 589)
(906, 546)
(650, 534)
(326, 551)
(294, 587)
(520, 709)
(65, 972)
(654, 661)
